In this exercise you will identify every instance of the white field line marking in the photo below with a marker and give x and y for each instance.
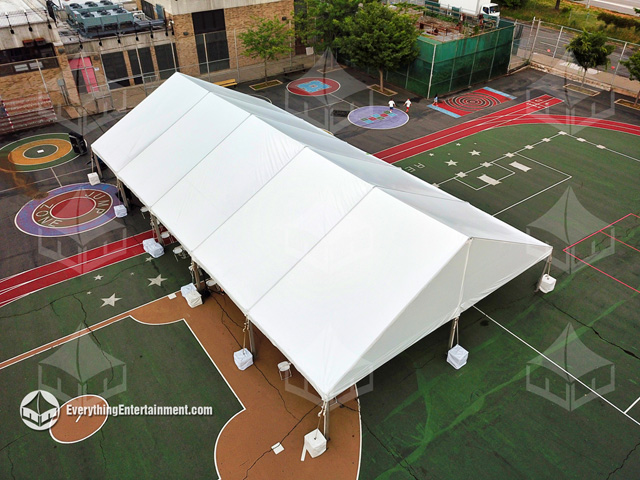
(343, 100)
(530, 197)
(607, 149)
(316, 108)
(632, 405)
(54, 174)
(554, 363)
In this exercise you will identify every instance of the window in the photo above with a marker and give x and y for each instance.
(213, 51)
(115, 70)
(140, 58)
(205, 22)
(148, 9)
(165, 58)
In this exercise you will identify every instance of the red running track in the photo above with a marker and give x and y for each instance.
(520, 114)
(21, 284)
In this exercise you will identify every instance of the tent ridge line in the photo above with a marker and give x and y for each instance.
(161, 133)
(451, 198)
(464, 271)
(401, 312)
(346, 214)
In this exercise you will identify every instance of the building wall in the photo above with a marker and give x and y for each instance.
(238, 20)
(181, 7)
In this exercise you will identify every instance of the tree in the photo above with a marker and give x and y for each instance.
(320, 22)
(633, 65)
(380, 38)
(269, 39)
(590, 50)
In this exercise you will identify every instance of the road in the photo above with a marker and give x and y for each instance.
(621, 6)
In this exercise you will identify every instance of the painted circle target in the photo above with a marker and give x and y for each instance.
(36, 152)
(378, 118)
(313, 87)
(69, 210)
(470, 102)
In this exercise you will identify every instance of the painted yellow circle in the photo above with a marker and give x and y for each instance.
(17, 156)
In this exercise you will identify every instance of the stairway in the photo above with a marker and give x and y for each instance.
(26, 112)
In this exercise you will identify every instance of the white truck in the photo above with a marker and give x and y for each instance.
(473, 7)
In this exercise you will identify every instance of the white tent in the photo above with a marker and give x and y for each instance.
(340, 259)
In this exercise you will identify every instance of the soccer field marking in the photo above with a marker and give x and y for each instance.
(561, 368)
(567, 250)
(602, 147)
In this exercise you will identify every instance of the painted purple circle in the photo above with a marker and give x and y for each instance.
(313, 86)
(378, 118)
(103, 197)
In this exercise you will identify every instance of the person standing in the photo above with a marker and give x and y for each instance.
(391, 105)
(407, 104)
(435, 99)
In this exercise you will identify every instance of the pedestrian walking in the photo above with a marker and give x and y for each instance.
(407, 104)
(391, 105)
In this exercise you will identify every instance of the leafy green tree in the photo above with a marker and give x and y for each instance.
(320, 22)
(268, 40)
(590, 50)
(379, 37)
(633, 65)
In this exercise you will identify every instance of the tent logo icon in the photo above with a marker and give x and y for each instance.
(568, 354)
(39, 410)
(81, 367)
(569, 224)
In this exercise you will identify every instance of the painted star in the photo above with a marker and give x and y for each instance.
(98, 277)
(509, 155)
(451, 163)
(110, 301)
(156, 281)
(88, 293)
(148, 259)
(458, 144)
(474, 152)
(487, 164)
(132, 273)
(431, 154)
(461, 174)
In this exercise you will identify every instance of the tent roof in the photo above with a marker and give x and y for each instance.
(342, 260)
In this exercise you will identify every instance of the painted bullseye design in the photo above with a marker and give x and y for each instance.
(37, 153)
(69, 210)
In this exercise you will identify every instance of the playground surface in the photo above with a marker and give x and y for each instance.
(552, 385)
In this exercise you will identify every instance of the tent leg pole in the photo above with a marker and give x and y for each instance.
(97, 164)
(196, 275)
(252, 342)
(326, 420)
(454, 330)
(120, 187)
(156, 229)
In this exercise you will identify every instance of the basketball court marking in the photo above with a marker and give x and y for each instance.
(377, 117)
(313, 87)
(568, 250)
(69, 210)
(471, 102)
(57, 176)
(37, 152)
(559, 367)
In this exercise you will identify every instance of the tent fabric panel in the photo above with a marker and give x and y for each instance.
(383, 175)
(334, 303)
(434, 306)
(224, 180)
(147, 122)
(279, 225)
(170, 157)
(494, 263)
(465, 218)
